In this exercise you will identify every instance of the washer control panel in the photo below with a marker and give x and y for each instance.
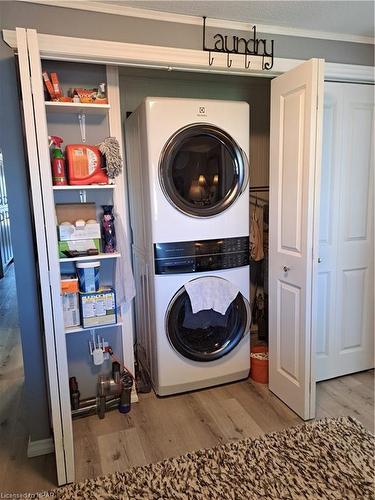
(200, 256)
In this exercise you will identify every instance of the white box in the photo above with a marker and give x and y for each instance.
(70, 304)
(87, 232)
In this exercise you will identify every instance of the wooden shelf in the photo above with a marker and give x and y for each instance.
(78, 329)
(77, 107)
(83, 187)
(100, 256)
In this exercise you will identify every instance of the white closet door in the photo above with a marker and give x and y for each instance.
(28, 108)
(345, 336)
(52, 253)
(296, 115)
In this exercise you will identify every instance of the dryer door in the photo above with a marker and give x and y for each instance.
(202, 170)
(206, 335)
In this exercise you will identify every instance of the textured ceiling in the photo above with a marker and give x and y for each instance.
(346, 17)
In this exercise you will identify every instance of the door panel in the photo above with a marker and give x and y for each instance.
(353, 288)
(48, 204)
(39, 222)
(357, 171)
(346, 245)
(294, 176)
(291, 165)
(288, 329)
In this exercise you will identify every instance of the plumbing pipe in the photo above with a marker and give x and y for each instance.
(90, 407)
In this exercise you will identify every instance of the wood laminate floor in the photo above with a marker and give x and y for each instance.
(156, 428)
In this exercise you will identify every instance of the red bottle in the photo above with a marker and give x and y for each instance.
(58, 162)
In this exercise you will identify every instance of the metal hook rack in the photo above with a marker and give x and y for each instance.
(225, 44)
(229, 61)
(82, 125)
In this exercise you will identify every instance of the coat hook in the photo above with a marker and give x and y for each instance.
(229, 62)
(82, 125)
(247, 64)
(210, 59)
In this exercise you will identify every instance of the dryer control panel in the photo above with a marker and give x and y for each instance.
(200, 256)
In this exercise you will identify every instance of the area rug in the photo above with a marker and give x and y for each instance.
(326, 459)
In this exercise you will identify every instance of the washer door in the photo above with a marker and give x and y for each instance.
(206, 335)
(202, 170)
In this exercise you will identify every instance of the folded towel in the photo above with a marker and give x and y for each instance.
(211, 293)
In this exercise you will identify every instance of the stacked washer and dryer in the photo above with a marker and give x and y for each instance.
(189, 203)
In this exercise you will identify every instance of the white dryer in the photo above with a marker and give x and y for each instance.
(187, 351)
(188, 168)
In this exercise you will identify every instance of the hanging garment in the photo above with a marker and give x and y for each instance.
(124, 279)
(256, 235)
(211, 293)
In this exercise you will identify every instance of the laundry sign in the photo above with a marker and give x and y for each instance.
(232, 44)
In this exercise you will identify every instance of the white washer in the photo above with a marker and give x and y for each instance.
(188, 168)
(188, 175)
(225, 355)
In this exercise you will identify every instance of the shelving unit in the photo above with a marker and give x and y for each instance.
(76, 107)
(83, 187)
(60, 118)
(79, 329)
(100, 256)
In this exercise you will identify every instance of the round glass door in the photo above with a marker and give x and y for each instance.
(206, 335)
(202, 170)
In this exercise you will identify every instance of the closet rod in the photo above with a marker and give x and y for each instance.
(259, 188)
(255, 200)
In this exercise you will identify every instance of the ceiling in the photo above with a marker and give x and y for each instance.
(344, 17)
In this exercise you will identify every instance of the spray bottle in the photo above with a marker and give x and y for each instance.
(58, 162)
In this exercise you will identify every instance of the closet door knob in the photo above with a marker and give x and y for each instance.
(319, 260)
(286, 269)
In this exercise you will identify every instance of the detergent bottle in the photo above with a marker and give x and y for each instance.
(85, 165)
(58, 162)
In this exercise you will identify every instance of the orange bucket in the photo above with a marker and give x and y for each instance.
(259, 367)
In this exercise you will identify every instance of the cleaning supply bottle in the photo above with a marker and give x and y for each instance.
(85, 165)
(58, 162)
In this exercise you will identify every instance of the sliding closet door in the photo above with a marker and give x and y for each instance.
(345, 336)
(296, 112)
(28, 108)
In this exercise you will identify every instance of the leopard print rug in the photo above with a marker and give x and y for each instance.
(326, 459)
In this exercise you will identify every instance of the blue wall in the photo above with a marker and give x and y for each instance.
(11, 143)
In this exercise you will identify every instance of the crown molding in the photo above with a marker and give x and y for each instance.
(125, 10)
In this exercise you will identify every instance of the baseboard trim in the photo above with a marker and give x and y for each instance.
(40, 447)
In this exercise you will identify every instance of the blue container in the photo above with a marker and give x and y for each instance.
(88, 276)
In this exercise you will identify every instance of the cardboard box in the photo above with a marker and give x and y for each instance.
(70, 300)
(69, 283)
(70, 303)
(98, 308)
(70, 212)
(81, 246)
